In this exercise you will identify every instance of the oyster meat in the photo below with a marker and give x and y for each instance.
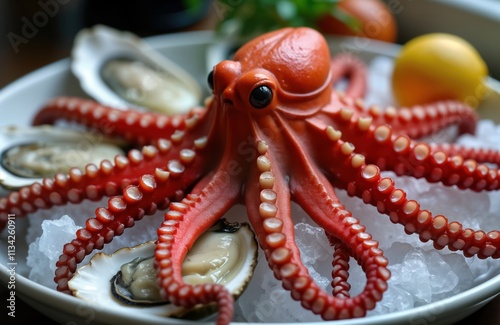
(226, 254)
(120, 69)
(29, 154)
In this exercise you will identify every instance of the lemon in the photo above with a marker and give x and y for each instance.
(439, 66)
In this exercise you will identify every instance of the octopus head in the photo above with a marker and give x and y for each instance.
(288, 69)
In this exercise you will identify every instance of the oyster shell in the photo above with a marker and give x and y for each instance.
(226, 254)
(29, 154)
(120, 69)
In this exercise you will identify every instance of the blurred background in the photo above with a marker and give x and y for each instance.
(38, 32)
(35, 33)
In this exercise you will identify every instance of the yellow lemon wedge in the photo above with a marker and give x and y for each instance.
(439, 66)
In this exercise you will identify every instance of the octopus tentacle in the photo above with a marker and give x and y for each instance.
(122, 212)
(106, 180)
(268, 214)
(340, 273)
(392, 201)
(416, 121)
(262, 202)
(365, 182)
(151, 192)
(392, 151)
(481, 155)
(182, 223)
(414, 158)
(274, 228)
(136, 127)
(427, 120)
(322, 205)
(173, 153)
(346, 65)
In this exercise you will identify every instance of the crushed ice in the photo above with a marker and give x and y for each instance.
(420, 274)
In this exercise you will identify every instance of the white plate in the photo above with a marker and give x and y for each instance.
(20, 100)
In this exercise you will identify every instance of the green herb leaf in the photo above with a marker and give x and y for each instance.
(247, 18)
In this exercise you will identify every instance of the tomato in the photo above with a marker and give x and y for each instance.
(374, 18)
(438, 66)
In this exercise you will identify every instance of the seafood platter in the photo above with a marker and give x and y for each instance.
(164, 181)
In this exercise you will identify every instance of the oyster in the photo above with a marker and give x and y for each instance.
(226, 254)
(29, 154)
(120, 69)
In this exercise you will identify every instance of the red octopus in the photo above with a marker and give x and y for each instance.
(274, 131)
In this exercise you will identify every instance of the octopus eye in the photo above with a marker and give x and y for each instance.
(261, 96)
(210, 80)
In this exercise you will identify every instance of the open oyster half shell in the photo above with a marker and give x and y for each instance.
(29, 154)
(226, 254)
(120, 69)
